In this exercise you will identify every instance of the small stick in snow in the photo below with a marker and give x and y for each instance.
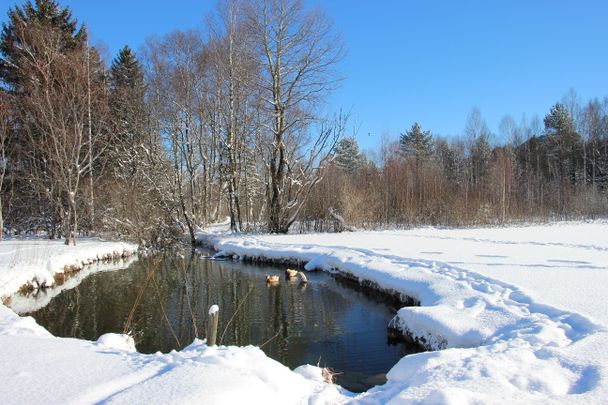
(214, 315)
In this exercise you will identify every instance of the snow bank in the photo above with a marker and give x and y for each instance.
(37, 261)
(520, 311)
(23, 304)
(37, 367)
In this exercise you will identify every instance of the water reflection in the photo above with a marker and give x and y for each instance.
(325, 322)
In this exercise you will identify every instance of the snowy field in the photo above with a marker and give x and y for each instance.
(521, 312)
(518, 313)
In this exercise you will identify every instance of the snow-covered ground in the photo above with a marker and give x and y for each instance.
(37, 367)
(521, 311)
(37, 261)
(519, 314)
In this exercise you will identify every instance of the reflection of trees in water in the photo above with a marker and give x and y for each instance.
(314, 323)
(310, 321)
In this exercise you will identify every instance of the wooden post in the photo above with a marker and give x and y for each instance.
(214, 315)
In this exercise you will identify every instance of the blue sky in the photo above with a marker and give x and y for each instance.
(425, 61)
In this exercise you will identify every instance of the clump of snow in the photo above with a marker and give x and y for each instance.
(117, 342)
(213, 310)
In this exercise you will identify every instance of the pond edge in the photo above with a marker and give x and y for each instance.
(396, 328)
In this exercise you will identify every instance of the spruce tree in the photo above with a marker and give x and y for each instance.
(416, 143)
(42, 15)
(565, 149)
(127, 107)
(347, 155)
(481, 153)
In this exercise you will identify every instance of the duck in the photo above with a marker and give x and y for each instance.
(302, 278)
(272, 279)
(289, 273)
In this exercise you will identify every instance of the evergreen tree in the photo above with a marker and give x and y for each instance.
(558, 123)
(40, 15)
(481, 153)
(127, 108)
(126, 72)
(347, 155)
(448, 160)
(565, 149)
(416, 143)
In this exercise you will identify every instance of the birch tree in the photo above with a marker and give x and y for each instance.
(56, 109)
(298, 51)
(5, 132)
(234, 67)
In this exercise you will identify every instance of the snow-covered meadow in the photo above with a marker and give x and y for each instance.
(518, 313)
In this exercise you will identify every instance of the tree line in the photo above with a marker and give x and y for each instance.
(226, 121)
(554, 168)
(203, 124)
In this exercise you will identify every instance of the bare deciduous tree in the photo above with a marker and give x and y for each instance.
(56, 118)
(298, 52)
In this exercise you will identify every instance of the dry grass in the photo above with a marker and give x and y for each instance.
(59, 278)
(329, 375)
(27, 288)
(71, 268)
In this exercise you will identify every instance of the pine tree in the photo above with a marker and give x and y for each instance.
(565, 147)
(42, 15)
(127, 108)
(558, 123)
(416, 143)
(347, 155)
(126, 71)
(481, 152)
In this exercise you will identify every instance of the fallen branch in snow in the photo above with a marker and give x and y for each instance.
(329, 375)
(339, 223)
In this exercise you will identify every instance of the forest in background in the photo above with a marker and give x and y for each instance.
(227, 121)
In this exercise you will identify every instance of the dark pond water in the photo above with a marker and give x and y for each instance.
(327, 322)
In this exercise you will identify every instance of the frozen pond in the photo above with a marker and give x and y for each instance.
(326, 322)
